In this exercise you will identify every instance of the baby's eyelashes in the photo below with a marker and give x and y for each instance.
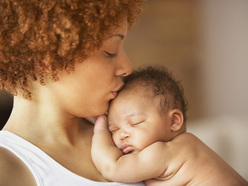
(136, 122)
(112, 129)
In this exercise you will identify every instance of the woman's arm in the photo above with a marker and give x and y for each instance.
(13, 171)
(134, 167)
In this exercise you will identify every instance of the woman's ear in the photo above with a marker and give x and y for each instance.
(176, 118)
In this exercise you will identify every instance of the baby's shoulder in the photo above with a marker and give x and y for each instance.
(186, 137)
(186, 143)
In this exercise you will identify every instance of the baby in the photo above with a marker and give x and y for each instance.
(145, 137)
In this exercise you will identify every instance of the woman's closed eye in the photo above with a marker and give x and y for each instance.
(110, 55)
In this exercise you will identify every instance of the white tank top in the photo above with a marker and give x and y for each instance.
(46, 171)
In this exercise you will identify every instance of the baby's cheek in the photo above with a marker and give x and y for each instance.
(116, 141)
(145, 142)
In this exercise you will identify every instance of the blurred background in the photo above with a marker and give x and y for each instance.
(205, 44)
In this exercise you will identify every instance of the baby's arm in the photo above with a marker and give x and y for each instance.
(114, 166)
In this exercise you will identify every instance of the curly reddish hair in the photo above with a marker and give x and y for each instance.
(39, 34)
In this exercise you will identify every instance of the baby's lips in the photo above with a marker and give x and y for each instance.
(126, 148)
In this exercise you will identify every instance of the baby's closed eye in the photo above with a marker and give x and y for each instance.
(136, 123)
(112, 129)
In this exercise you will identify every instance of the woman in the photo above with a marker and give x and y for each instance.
(63, 61)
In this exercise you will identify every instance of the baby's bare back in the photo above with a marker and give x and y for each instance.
(191, 162)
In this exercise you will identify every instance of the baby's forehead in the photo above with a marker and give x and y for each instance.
(141, 91)
(130, 96)
(138, 88)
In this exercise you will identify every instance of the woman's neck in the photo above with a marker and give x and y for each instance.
(43, 120)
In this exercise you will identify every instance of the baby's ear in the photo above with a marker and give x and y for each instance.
(176, 117)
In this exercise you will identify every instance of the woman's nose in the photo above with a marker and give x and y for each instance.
(124, 67)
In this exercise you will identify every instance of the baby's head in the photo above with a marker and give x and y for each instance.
(159, 84)
(151, 107)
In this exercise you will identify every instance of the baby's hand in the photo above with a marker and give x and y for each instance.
(101, 123)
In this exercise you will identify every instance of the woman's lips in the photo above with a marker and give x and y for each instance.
(126, 148)
(115, 93)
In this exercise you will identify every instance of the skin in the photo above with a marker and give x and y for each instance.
(147, 146)
(52, 120)
(138, 118)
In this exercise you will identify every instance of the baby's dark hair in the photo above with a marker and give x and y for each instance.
(163, 84)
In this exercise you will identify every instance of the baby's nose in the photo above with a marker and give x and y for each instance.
(124, 135)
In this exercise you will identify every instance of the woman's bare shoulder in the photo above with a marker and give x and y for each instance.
(13, 171)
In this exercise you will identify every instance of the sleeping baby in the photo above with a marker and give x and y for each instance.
(144, 137)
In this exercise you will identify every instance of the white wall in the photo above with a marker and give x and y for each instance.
(225, 57)
(224, 46)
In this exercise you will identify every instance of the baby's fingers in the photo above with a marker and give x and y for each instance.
(101, 123)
